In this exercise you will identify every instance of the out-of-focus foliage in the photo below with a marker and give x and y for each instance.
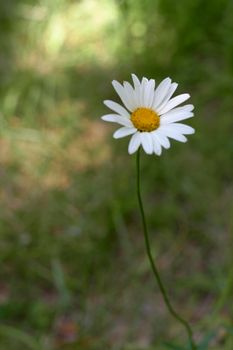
(74, 274)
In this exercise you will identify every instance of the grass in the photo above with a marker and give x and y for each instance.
(74, 273)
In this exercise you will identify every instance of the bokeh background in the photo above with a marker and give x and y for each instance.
(74, 273)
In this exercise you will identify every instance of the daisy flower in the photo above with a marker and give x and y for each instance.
(150, 115)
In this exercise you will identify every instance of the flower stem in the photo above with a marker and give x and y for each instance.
(153, 266)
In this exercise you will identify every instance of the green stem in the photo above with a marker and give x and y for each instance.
(153, 266)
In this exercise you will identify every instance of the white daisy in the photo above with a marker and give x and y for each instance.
(150, 115)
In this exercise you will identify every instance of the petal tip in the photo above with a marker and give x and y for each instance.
(115, 135)
(131, 152)
(115, 82)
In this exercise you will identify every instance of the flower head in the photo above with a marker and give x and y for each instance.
(150, 115)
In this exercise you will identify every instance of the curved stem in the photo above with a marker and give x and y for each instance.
(153, 266)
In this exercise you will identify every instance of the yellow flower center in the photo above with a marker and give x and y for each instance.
(144, 119)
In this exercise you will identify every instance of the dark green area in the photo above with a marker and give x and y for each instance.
(74, 273)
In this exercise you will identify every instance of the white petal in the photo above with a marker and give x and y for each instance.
(142, 90)
(166, 119)
(176, 114)
(130, 94)
(169, 94)
(122, 132)
(156, 145)
(149, 93)
(162, 139)
(175, 101)
(124, 121)
(137, 89)
(123, 94)
(115, 118)
(109, 118)
(116, 108)
(161, 92)
(147, 142)
(173, 134)
(137, 84)
(183, 129)
(136, 81)
(134, 143)
(187, 108)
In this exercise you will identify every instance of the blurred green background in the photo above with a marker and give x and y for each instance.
(74, 273)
